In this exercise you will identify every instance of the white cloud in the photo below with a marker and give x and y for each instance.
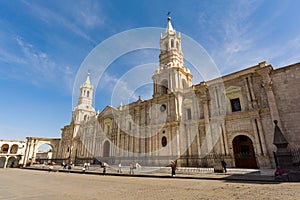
(36, 59)
(53, 19)
(89, 14)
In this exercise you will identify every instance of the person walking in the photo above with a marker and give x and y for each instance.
(104, 168)
(224, 165)
(69, 168)
(120, 168)
(131, 166)
(173, 168)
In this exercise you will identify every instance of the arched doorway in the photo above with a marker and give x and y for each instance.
(12, 162)
(244, 154)
(2, 162)
(106, 149)
(44, 153)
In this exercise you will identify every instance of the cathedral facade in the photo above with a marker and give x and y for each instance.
(228, 118)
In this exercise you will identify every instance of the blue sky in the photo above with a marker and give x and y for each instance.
(43, 43)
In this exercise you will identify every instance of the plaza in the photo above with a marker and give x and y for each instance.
(36, 184)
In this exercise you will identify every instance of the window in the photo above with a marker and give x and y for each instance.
(4, 148)
(164, 141)
(172, 43)
(164, 87)
(189, 113)
(129, 126)
(235, 105)
(163, 108)
(88, 94)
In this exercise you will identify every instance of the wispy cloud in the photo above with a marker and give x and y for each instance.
(89, 14)
(241, 40)
(83, 18)
(38, 60)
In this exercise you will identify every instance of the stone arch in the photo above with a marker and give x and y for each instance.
(244, 154)
(33, 143)
(13, 161)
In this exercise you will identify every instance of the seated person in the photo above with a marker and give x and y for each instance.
(279, 171)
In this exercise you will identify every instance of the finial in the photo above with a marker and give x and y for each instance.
(169, 17)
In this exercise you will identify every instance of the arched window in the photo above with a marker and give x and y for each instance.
(4, 148)
(164, 141)
(164, 87)
(14, 149)
(172, 43)
(87, 93)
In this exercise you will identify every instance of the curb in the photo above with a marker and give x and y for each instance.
(232, 178)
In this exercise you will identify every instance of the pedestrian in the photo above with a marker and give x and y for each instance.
(131, 166)
(137, 166)
(120, 168)
(88, 166)
(50, 167)
(224, 165)
(69, 168)
(104, 168)
(173, 168)
(279, 171)
(64, 165)
(83, 168)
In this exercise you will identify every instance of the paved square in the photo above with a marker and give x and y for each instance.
(31, 184)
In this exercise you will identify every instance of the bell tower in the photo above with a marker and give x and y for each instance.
(84, 109)
(171, 76)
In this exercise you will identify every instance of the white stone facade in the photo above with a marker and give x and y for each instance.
(11, 153)
(231, 117)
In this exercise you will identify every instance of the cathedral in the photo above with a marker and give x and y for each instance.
(228, 118)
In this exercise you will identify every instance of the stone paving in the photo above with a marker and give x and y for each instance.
(25, 184)
(187, 173)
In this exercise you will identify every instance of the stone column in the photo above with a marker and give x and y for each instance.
(265, 71)
(28, 144)
(33, 152)
(223, 127)
(204, 100)
(6, 160)
(257, 138)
